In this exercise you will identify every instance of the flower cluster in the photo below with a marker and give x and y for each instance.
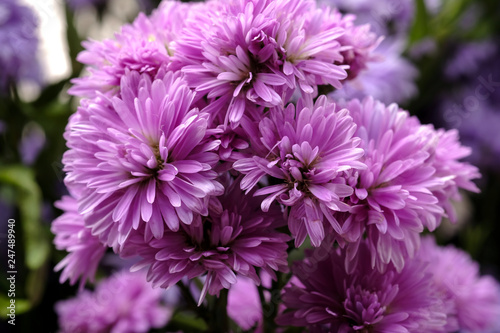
(439, 290)
(202, 147)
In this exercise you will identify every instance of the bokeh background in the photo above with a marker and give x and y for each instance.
(440, 60)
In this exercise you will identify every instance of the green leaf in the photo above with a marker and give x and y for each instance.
(37, 246)
(21, 306)
(188, 322)
(420, 28)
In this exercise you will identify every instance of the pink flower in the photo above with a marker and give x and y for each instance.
(307, 149)
(328, 298)
(233, 239)
(142, 158)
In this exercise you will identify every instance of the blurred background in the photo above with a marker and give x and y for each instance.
(440, 60)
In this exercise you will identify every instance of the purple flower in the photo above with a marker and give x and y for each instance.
(71, 235)
(325, 297)
(468, 59)
(233, 239)
(141, 158)
(258, 52)
(389, 79)
(306, 148)
(475, 298)
(143, 46)
(123, 303)
(243, 304)
(412, 172)
(19, 43)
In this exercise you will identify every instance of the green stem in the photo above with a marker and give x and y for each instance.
(219, 321)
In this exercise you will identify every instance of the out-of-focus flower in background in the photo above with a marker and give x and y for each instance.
(18, 37)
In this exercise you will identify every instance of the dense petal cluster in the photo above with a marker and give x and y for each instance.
(123, 303)
(19, 44)
(71, 235)
(475, 299)
(141, 158)
(307, 148)
(233, 239)
(407, 182)
(259, 52)
(324, 297)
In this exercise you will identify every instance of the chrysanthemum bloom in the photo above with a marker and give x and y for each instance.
(123, 303)
(19, 44)
(395, 198)
(141, 158)
(85, 250)
(306, 148)
(143, 46)
(475, 298)
(258, 52)
(327, 298)
(234, 239)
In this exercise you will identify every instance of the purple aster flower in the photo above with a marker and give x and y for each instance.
(141, 158)
(143, 46)
(123, 303)
(258, 52)
(475, 298)
(389, 79)
(327, 298)
(19, 44)
(306, 148)
(233, 239)
(412, 172)
(71, 235)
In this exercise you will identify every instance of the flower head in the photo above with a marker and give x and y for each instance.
(405, 187)
(238, 53)
(141, 158)
(307, 148)
(19, 44)
(233, 239)
(123, 303)
(323, 296)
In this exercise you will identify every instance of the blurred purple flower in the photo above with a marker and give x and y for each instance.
(141, 158)
(307, 148)
(18, 37)
(233, 239)
(389, 79)
(123, 303)
(327, 298)
(71, 235)
(475, 298)
(243, 304)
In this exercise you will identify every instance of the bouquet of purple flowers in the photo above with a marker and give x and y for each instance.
(210, 144)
